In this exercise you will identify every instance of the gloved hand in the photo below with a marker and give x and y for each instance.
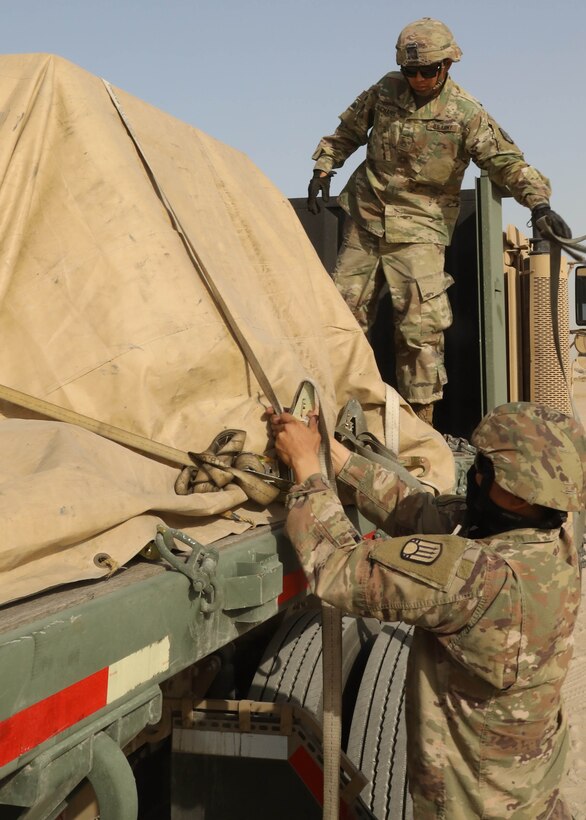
(317, 184)
(553, 220)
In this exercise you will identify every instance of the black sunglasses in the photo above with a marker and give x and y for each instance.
(426, 71)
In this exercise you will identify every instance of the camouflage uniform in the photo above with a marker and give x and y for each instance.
(406, 193)
(493, 639)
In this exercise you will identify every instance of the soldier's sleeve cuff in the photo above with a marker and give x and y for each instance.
(354, 470)
(324, 164)
(316, 483)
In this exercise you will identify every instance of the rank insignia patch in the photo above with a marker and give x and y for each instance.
(421, 551)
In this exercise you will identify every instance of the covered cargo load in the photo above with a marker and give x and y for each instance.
(132, 244)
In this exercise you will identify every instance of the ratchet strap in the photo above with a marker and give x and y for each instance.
(352, 433)
(101, 428)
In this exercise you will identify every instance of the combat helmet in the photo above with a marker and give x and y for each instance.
(537, 453)
(426, 41)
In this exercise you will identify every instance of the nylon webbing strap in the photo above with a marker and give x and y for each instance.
(332, 708)
(305, 401)
(197, 262)
(331, 670)
(134, 440)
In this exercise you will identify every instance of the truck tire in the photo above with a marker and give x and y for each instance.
(291, 668)
(377, 742)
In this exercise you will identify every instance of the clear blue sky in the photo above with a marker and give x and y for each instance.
(270, 77)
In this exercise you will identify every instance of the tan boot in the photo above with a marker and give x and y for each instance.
(424, 412)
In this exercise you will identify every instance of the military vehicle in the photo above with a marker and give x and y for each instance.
(165, 662)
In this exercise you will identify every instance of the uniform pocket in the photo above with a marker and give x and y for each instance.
(490, 645)
(380, 141)
(433, 285)
(436, 311)
(440, 147)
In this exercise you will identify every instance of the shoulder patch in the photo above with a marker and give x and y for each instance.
(432, 559)
(421, 551)
(505, 136)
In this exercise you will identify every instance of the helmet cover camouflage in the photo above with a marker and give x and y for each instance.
(426, 41)
(538, 454)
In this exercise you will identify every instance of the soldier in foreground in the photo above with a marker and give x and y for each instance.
(494, 606)
(421, 131)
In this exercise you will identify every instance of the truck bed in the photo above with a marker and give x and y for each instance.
(73, 656)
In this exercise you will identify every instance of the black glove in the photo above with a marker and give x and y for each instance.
(317, 184)
(553, 221)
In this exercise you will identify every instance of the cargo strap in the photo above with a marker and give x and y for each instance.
(263, 489)
(101, 428)
(197, 261)
(305, 401)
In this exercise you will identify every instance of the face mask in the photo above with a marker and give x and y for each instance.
(485, 518)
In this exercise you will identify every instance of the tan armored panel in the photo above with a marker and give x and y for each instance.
(544, 381)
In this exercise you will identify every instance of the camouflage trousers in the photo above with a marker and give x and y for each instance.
(421, 309)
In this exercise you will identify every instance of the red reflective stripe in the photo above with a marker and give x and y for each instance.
(45, 719)
(293, 584)
(311, 774)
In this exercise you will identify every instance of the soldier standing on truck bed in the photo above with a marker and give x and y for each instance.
(421, 131)
(494, 607)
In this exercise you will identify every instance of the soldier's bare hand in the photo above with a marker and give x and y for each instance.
(297, 444)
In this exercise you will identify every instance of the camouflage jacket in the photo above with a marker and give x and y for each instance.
(408, 188)
(493, 637)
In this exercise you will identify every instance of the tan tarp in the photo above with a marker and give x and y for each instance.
(102, 311)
